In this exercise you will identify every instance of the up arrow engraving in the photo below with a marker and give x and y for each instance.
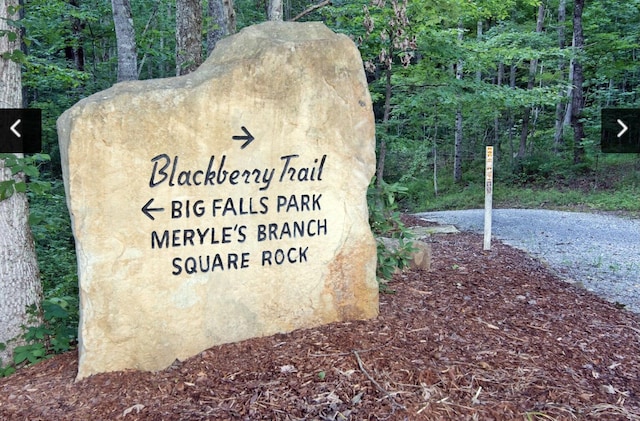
(248, 138)
(147, 209)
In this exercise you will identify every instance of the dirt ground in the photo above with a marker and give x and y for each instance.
(482, 336)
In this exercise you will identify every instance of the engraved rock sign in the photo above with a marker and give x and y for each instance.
(222, 205)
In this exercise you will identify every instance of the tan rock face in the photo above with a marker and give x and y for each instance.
(420, 257)
(226, 204)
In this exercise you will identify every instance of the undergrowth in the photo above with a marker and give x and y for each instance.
(56, 334)
(59, 311)
(608, 183)
(384, 219)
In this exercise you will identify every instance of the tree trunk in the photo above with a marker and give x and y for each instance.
(275, 10)
(496, 120)
(74, 51)
(524, 134)
(223, 22)
(568, 108)
(382, 148)
(188, 36)
(560, 107)
(152, 17)
(435, 156)
(479, 28)
(19, 276)
(163, 68)
(311, 9)
(510, 123)
(125, 40)
(578, 78)
(457, 146)
(610, 93)
(533, 68)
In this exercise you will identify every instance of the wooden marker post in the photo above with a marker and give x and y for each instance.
(488, 197)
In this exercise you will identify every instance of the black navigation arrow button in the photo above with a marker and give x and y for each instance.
(248, 138)
(20, 130)
(147, 209)
(620, 131)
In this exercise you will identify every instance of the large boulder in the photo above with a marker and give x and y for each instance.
(223, 205)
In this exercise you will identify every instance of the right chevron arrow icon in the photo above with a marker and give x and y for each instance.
(624, 128)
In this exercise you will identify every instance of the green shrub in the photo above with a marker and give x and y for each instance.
(384, 219)
(55, 335)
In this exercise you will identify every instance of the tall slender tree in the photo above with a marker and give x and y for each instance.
(19, 276)
(275, 10)
(457, 143)
(395, 40)
(533, 68)
(561, 105)
(74, 51)
(577, 101)
(223, 22)
(188, 36)
(125, 40)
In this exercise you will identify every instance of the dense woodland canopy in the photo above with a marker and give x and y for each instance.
(447, 76)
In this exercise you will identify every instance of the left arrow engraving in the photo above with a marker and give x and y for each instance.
(147, 209)
(14, 130)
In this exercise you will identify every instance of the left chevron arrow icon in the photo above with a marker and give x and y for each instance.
(14, 130)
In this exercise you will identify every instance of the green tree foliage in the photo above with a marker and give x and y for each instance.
(493, 92)
(425, 94)
(71, 53)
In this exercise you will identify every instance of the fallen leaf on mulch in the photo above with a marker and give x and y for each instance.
(483, 335)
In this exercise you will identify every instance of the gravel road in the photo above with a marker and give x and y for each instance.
(599, 252)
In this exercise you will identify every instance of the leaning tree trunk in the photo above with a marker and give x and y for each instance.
(577, 101)
(188, 36)
(125, 40)
(19, 277)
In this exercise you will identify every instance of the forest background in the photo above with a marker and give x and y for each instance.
(447, 77)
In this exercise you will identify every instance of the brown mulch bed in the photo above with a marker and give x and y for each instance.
(483, 335)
